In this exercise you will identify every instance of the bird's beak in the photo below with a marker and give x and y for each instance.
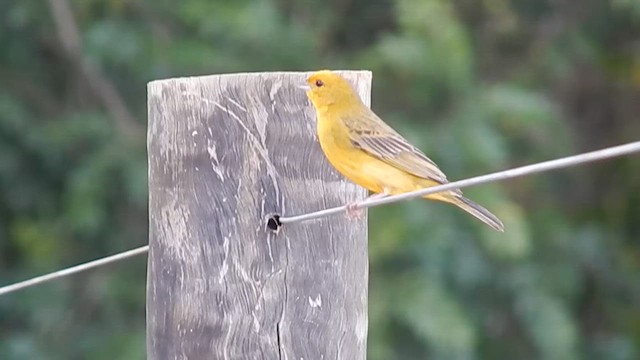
(304, 87)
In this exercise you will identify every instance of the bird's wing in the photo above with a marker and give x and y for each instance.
(380, 140)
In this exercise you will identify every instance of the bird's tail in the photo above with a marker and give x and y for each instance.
(478, 211)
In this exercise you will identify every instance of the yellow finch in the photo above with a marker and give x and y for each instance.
(370, 153)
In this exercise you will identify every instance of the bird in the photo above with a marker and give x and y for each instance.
(368, 152)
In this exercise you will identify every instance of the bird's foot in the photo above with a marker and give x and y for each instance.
(353, 212)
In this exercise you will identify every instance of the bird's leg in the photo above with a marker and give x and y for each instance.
(352, 208)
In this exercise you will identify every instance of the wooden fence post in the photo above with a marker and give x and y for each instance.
(224, 152)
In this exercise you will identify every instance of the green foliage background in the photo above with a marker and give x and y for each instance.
(479, 85)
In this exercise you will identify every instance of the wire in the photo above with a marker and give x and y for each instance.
(73, 270)
(497, 176)
(502, 175)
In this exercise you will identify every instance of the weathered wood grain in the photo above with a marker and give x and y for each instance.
(224, 152)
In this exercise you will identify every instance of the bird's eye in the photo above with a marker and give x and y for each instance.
(319, 83)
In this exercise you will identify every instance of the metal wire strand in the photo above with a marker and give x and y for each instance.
(73, 270)
(497, 176)
(607, 153)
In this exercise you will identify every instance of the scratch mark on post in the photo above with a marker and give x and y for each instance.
(225, 265)
(256, 323)
(272, 94)
(215, 163)
(237, 104)
(317, 302)
(225, 343)
(270, 250)
(257, 145)
(286, 299)
(341, 344)
(260, 148)
(243, 274)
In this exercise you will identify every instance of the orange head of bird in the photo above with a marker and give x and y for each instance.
(326, 88)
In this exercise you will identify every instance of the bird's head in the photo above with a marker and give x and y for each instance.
(326, 88)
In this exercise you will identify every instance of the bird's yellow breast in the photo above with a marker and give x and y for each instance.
(354, 163)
